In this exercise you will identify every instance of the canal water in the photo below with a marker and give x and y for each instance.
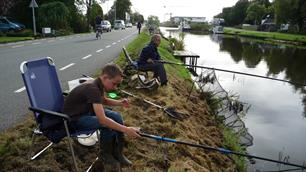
(276, 118)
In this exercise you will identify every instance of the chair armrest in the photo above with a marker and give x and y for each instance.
(44, 111)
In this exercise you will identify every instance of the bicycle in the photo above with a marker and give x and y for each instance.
(99, 32)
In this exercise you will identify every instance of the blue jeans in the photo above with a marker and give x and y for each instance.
(90, 121)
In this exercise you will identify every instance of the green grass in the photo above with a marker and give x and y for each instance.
(267, 35)
(14, 39)
(231, 141)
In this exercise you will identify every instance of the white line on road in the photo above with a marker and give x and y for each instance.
(119, 41)
(86, 57)
(98, 51)
(114, 43)
(65, 67)
(36, 43)
(51, 40)
(108, 46)
(20, 90)
(62, 39)
(17, 46)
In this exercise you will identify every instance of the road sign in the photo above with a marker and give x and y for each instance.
(33, 4)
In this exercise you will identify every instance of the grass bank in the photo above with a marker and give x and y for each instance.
(147, 155)
(269, 36)
(4, 39)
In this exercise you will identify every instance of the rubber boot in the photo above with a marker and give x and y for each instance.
(120, 143)
(106, 154)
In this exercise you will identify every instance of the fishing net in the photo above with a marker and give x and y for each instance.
(225, 105)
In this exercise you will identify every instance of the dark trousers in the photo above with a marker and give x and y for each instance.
(158, 69)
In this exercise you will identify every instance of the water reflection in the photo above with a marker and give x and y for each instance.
(274, 119)
(279, 58)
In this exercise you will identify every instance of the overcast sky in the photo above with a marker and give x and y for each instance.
(163, 8)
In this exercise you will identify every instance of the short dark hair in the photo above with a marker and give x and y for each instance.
(112, 70)
(155, 36)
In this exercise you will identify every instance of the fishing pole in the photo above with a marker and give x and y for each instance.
(170, 111)
(230, 71)
(221, 150)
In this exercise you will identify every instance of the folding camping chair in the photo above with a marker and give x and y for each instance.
(46, 99)
(142, 75)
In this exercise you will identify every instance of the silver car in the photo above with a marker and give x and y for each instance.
(119, 24)
(106, 26)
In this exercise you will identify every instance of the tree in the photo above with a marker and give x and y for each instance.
(234, 15)
(255, 12)
(121, 7)
(153, 21)
(136, 17)
(96, 10)
(56, 18)
(292, 11)
(239, 12)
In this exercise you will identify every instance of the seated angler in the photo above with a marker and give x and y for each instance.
(84, 105)
(149, 58)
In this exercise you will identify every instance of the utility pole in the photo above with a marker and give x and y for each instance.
(115, 9)
(33, 5)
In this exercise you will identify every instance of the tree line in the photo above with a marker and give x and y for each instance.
(71, 15)
(291, 12)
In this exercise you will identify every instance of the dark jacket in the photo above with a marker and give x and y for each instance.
(149, 52)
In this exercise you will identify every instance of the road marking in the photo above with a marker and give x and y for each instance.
(51, 40)
(20, 90)
(114, 43)
(86, 57)
(36, 43)
(65, 67)
(17, 46)
(122, 39)
(108, 46)
(62, 39)
(98, 51)
(119, 41)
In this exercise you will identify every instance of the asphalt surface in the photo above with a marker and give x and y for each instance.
(73, 56)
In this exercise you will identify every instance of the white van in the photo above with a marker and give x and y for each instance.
(119, 24)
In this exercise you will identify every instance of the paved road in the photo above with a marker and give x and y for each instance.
(73, 56)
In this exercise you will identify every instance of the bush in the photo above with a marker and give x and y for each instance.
(200, 26)
(63, 32)
(23, 33)
(2, 34)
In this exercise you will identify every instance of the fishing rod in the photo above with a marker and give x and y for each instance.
(230, 71)
(221, 150)
(170, 111)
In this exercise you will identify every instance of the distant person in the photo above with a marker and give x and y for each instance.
(84, 105)
(98, 22)
(139, 27)
(151, 30)
(149, 60)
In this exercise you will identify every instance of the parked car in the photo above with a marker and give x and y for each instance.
(128, 25)
(106, 26)
(119, 24)
(22, 26)
(7, 25)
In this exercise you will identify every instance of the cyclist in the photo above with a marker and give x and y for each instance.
(98, 27)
